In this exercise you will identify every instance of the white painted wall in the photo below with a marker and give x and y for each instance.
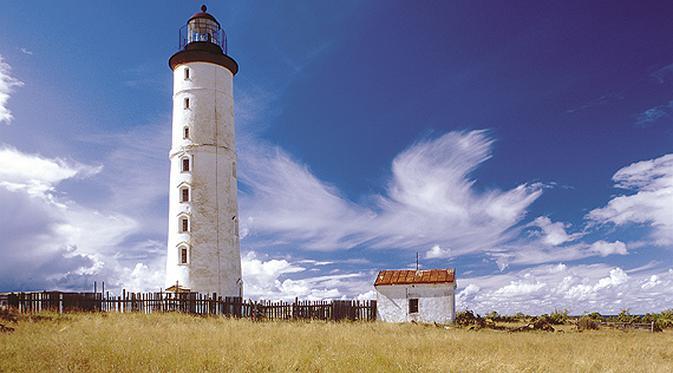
(436, 303)
(214, 254)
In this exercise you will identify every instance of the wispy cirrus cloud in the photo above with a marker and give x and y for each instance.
(430, 200)
(7, 85)
(654, 114)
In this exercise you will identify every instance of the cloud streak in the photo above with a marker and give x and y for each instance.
(7, 85)
(430, 200)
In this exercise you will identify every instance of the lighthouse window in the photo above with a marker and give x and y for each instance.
(186, 102)
(185, 133)
(184, 225)
(186, 73)
(185, 164)
(184, 194)
(183, 255)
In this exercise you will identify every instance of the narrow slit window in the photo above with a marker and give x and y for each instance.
(184, 195)
(186, 73)
(183, 255)
(185, 164)
(186, 102)
(184, 225)
(413, 305)
(185, 133)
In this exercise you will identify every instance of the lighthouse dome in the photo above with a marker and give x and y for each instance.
(203, 15)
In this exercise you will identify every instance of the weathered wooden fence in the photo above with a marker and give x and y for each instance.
(193, 303)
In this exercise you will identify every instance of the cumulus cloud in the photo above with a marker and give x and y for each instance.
(430, 200)
(548, 241)
(35, 174)
(651, 202)
(554, 233)
(271, 279)
(518, 288)
(7, 85)
(54, 242)
(605, 248)
(436, 252)
(581, 288)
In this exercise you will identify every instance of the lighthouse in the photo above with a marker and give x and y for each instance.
(203, 253)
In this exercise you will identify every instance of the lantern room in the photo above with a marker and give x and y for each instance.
(202, 27)
(203, 40)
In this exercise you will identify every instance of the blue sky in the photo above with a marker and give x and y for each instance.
(528, 145)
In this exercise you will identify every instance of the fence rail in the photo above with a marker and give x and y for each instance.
(193, 303)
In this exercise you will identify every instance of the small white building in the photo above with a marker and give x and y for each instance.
(425, 296)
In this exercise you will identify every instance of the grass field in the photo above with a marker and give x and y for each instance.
(174, 342)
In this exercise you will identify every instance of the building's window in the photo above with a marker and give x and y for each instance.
(185, 133)
(185, 164)
(186, 103)
(184, 194)
(184, 255)
(413, 305)
(186, 73)
(233, 170)
(184, 224)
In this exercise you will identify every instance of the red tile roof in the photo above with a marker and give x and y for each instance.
(404, 277)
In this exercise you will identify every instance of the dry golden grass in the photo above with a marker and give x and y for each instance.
(173, 342)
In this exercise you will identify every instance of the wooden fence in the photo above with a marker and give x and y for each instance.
(193, 303)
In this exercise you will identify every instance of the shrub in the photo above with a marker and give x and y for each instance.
(596, 316)
(559, 317)
(587, 323)
(556, 317)
(467, 317)
(625, 316)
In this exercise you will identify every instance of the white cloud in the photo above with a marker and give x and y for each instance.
(371, 294)
(581, 288)
(26, 51)
(605, 248)
(518, 288)
(52, 242)
(527, 252)
(7, 85)
(651, 282)
(554, 233)
(270, 279)
(436, 252)
(430, 200)
(651, 204)
(35, 174)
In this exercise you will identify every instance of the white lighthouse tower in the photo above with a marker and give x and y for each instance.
(203, 243)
